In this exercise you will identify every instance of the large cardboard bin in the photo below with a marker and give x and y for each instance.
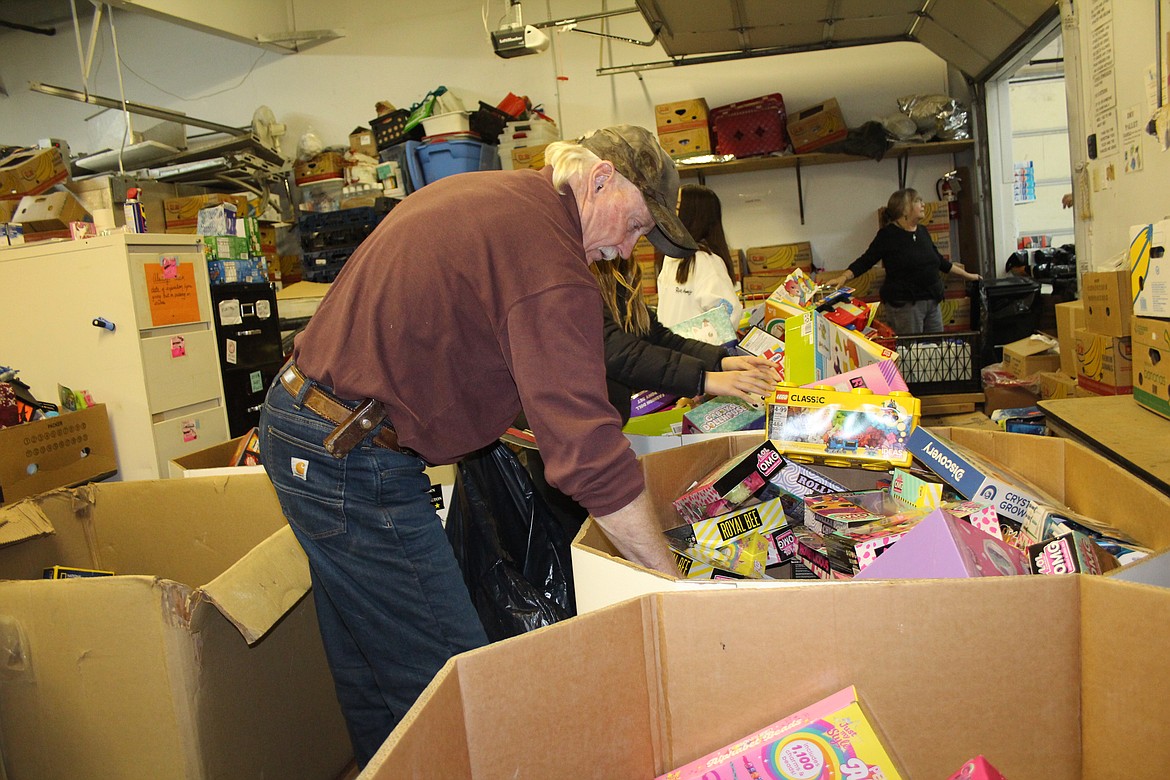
(61, 451)
(1082, 479)
(199, 659)
(1058, 678)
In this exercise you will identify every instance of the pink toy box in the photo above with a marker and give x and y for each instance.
(831, 739)
(944, 547)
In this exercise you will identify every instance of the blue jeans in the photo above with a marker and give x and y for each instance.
(391, 601)
(910, 319)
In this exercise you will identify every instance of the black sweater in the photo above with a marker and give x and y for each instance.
(912, 264)
(659, 360)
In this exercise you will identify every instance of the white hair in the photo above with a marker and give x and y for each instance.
(568, 158)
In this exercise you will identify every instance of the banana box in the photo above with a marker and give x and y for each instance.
(1104, 363)
(858, 428)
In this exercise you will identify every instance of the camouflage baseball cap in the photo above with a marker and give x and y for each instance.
(638, 156)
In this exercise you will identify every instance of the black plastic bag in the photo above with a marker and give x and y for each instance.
(512, 550)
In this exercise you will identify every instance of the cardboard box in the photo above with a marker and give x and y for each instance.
(31, 172)
(815, 348)
(652, 684)
(361, 140)
(7, 209)
(1151, 364)
(181, 215)
(200, 658)
(528, 157)
(779, 258)
(1070, 317)
(680, 115)
(686, 143)
(1149, 269)
(761, 284)
(63, 451)
(1071, 473)
(50, 212)
(1030, 356)
(1055, 384)
(327, 165)
(1107, 304)
(1104, 363)
(816, 126)
(1006, 397)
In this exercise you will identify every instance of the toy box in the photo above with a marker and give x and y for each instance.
(842, 429)
(650, 401)
(914, 490)
(692, 567)
(834, 738)
(831, 512)
(723, 414)
(745, 557)
(815, 348)
(977, 768)
(730, 484)
(760, 343)
(942, 546)
(722, 530)
(975, 477)
(881, 377)
(1074, 552)
(710, 327)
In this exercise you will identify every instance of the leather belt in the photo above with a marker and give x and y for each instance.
(353, 424)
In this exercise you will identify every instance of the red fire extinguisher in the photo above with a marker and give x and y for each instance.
(947, 188)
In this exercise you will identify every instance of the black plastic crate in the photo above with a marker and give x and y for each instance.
(344, 228)
(940, 363)
(488, 122)
(389, 129)
(324, 266)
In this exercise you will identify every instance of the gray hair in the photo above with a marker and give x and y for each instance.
(568, 158)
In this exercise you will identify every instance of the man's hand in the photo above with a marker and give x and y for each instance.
(634, 531)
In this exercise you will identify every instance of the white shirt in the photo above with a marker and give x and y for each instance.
(707, 286)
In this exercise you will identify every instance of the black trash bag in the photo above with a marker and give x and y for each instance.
(512, 550)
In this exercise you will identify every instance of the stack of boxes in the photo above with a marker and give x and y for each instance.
(1062, 383)
(1149, 294)
(26, 178)
(1103, 346)
(523, 141)
(682, 127)
(767, 266)
(320, 181)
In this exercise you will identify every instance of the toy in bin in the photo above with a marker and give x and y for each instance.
(723, 414)
(857, 428)
(731, 484)
(834, 739)
(978, 768)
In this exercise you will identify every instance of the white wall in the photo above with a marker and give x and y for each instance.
(1040, 135)
(1110, 199)
(397, 50)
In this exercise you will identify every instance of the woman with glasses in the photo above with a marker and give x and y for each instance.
(913, 287)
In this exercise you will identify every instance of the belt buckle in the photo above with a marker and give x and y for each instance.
(360, 422)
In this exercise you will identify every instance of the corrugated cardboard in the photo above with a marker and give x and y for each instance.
(1030, 356)
(779, 258)
(680, 115)
(63, 451)
(1071, 473)
(651, 684)
(50, 212)
(1149, 269)
(1070, 317)
(1151, 364)
(1108, 308)
(1104, 363)
(817, 126)
(1055, 384)
(31, 172)
(199, 659)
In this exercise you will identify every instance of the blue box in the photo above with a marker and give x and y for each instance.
(251, 271)
(437, 159)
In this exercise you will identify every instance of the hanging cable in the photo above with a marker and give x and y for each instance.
(129, 132)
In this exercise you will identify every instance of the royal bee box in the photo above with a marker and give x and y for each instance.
(722, 530)
(860, 427)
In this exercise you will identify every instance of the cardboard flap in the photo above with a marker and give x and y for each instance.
(23, 520)
(261, 587)
(1032, 345)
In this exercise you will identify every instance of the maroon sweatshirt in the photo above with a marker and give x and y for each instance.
(471, 298)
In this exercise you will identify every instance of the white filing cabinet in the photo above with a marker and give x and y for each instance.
(157, 371)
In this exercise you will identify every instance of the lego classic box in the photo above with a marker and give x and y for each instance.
(651, 684)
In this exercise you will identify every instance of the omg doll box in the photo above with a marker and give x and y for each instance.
(731, 484)
(827, 426)
(833, 738)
